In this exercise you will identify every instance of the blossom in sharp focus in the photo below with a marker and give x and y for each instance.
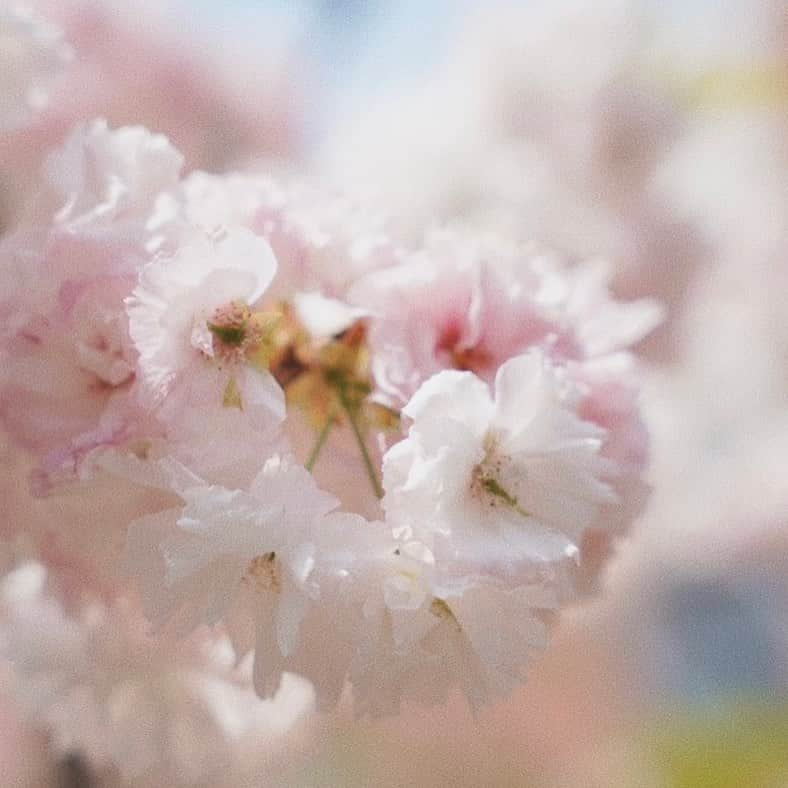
(521, 466)
(192, 315)
(32, 54)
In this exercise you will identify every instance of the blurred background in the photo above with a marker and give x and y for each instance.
(651, 133)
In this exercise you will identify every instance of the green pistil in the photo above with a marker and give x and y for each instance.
(493, 487)
(232, 336)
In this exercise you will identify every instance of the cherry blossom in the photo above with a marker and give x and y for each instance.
(70, 363)
(223, 543)
(192, 315)
(521, 467)
(468, 302)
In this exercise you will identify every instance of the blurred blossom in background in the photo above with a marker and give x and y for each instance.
(651, 134)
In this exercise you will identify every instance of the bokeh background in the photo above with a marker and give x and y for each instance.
(650, 133)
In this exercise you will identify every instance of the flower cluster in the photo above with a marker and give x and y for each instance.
(254, 430)
(362, 462)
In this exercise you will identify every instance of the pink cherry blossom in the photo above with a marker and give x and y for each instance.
(522, 467)
(467, 304)
(71, 365)
(191, 316)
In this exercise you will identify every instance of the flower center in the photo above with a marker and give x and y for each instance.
(264, 571)
(461, 356)
(487, 485)
(234, 330)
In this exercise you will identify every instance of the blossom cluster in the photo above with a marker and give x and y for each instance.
(253, 412)
(396, 457)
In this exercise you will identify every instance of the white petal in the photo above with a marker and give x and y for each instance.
(262, 398)
(455, 395)
(292, 608)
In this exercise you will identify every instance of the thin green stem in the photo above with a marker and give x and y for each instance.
(320, 442)
(368, 464)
